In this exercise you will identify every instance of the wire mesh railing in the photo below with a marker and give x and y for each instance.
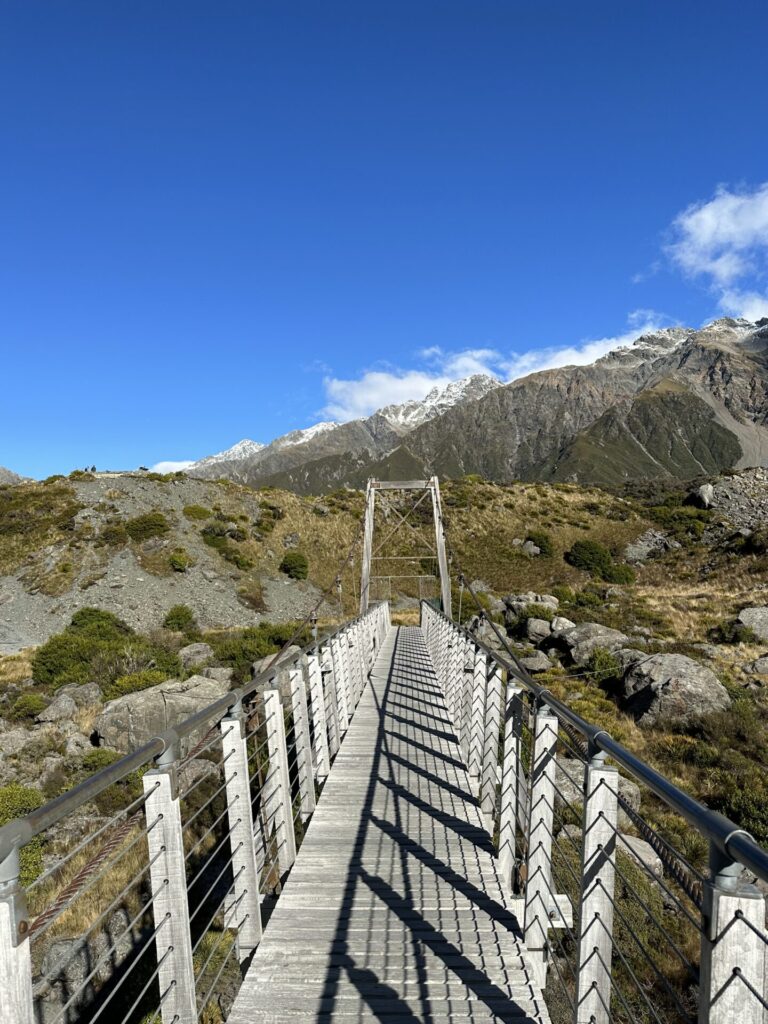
(619, 925)
(140, 895)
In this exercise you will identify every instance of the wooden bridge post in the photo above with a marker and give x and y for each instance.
(356, 645)
(319, 722)
(477, 721)
(331, 701)
(538, 883)
(509, 812)
(278, 771)
(600, 817)
(303, 744)
(734, 955)
(15, 956)
(342, 684)
(245, 870)
(170, 903)
(491, 737)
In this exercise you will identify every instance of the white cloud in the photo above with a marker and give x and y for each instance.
(725, 239)
(172, 467)
(351, 399)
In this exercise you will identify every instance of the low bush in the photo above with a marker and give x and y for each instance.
(251, 595)
(594, 558)
(97, 645)
(295, 565)
(114, 534)
(622, 574)
(133, 683)
(603, 665)
(238, 649)
(151, 524)
(180, 560)
(197, 512)
(15, 802)
(181, 619)
(28, 706)
(542, 540)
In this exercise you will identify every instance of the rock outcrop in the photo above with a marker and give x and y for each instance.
(670, 688)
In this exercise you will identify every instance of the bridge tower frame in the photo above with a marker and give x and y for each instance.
(429, 488)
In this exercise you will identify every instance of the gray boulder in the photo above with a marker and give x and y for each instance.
(195, 654)
(671, 688)
(650, 544)
(530, 549)
(759, 667)
(84, 696)
(537, 662)
(627, 657)
(77, 743)
(13, 742)
(61, 709)
(537, 630)
(517, 603)
(222, 675)
(756, 619)
(130, 721)
(585, 638)
(561, 625)
(282, 679)
(641, 853)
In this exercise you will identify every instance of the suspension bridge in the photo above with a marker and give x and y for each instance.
(395, 824)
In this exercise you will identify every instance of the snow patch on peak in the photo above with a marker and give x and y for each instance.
(412, 414)
(302, 436)
(242, 450)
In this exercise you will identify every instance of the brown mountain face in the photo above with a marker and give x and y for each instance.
(675, 404)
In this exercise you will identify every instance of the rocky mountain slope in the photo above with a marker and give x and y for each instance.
(7, 476)
(292, 456)
(675, 404)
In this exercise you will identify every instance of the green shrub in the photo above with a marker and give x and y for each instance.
(620, 574)
(28, 705)
(603, 665)
(538, 611)
(114, 534)
(98, 645)
(180, 560)
(542, 540)
(133, 683)
(151, 524)
(198, 512)
(100, 757)
(251, 595)
(238, 649)
(81, 474)
(237, 558)
(15, 802)
(98, 623)
(590, 556)
(295, 565)
(181, 619)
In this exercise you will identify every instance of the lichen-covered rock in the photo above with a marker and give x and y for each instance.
(195, 654)
(569, 788)
(756, 619)
(537, 630)
(650, 544)
(537, 662)
(130, 721)
(642, 853)
(62, 708)
(222, 675)
(561, 625)
(87, 695)
(585, 638)
(672, 689)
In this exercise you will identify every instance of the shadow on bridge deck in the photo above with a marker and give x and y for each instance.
(393, 911)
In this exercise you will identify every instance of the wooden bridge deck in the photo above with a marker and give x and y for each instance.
(393, 910)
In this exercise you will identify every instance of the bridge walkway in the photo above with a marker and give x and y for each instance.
(393, 911)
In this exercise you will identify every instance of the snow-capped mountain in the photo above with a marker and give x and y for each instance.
(412, 414)
(244, 449)
(302, 436)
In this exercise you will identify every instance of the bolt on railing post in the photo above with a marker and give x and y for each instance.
(509, 810)
(319, 722)
(170, 903)
(303, 744)
(331, 700)
(600, 819)
(15, 957)
(538, 882)
(245, 870)
(342, 684)
(477, 721)
(491, 736)
(278, 771)
(733, 954)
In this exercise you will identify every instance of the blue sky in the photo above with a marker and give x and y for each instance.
(226, 220)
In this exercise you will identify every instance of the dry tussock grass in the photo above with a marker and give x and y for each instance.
(15, 668)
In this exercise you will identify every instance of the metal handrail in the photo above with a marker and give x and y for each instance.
(731, 841)
(20, 831)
